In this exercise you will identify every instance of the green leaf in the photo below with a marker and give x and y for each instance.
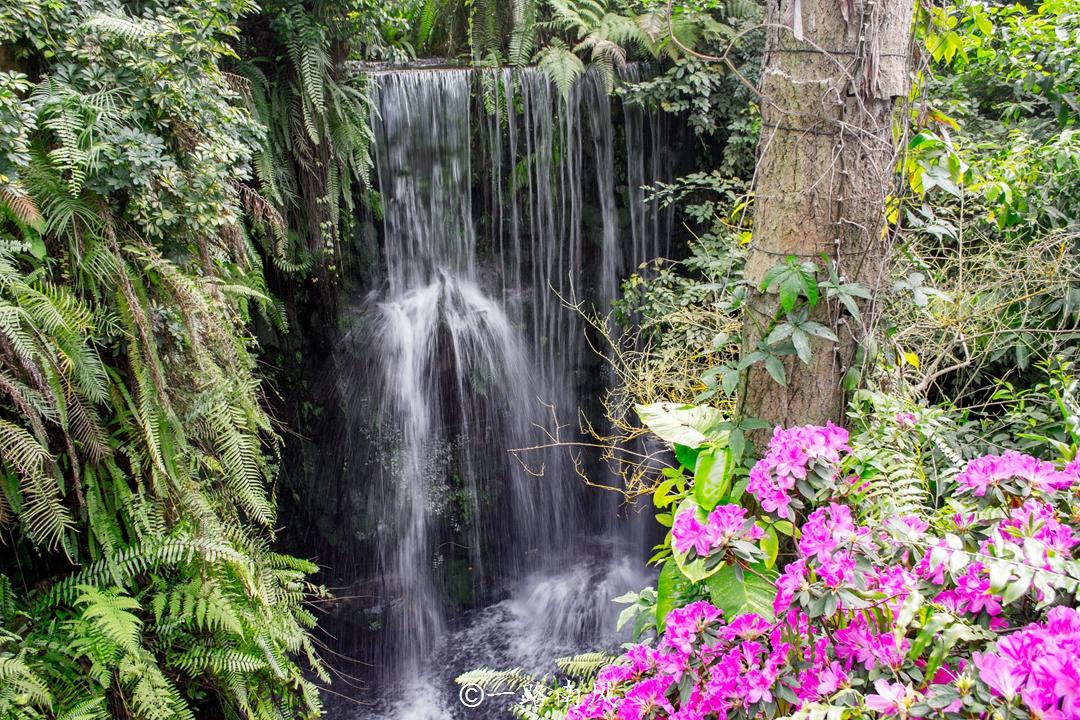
(686, 455)
(753, 593)
(929, 630)
(807, 271)
(776, 369)
(737, 443)
(789, 293)
(683, 424)
(801, 340)
(785, 527)
(819, 330)
(780, 332)
(770, 545)
(712, 477)
(670, 587)
(37, 247)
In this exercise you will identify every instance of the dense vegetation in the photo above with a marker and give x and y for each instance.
(142, 201)
(164, 164)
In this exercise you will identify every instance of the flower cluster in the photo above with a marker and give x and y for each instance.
(838, 605)
(988, 471)
(724, 525)
(1031, 534)
(792, 454)
(1038, 664)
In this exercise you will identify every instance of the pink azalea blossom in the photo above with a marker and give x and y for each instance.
(891, 698)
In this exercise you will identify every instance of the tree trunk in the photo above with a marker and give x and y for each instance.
(833, 76)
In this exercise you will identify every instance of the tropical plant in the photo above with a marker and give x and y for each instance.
(136, 456)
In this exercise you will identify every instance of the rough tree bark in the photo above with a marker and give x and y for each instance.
(833, 76)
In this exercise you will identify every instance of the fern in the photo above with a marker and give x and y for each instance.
(584, 666)
(123, 28)
(561, 65)
(21, 206)
(136, 457)
(890, 458)
(109, 613)
(493, 681)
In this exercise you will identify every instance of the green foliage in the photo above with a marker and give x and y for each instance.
(562, 65)
(991, 286)
(316, 152)
(736, 590)
(136, 457)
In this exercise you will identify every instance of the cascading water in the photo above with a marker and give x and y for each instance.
(461, 355)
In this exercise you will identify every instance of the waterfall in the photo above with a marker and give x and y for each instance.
(500, 202)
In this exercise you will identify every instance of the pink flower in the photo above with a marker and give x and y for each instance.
(1039, 663)
(593, 706)
(746, 627)
(831, 678)
(613, 675)
(789, 583)
(644, 698)
(837, 569)
(906, 420)
(791, 455)
(858, 643)
(725, 524)
(685, 624)
(988, 471)
(998, 673)
(825, 529)
(891, 698)
(688, 533)
(757, 686)
(791, 461)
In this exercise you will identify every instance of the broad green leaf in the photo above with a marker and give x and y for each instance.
(789, 293)
(770, 545)
(686, 455)
(683, 424)
(754, 593)
(712, 477)
(670, 587)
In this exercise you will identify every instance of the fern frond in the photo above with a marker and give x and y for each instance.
(22, 206)
(496, 680)
(561, 65)
(584, 666)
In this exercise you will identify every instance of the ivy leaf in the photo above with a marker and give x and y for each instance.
(807, 273)
(819, 330)
(737, 443)
(789, 295)
(801, 340)
(776, 369)
(730, 381)
(754, 592)
(780, 332)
